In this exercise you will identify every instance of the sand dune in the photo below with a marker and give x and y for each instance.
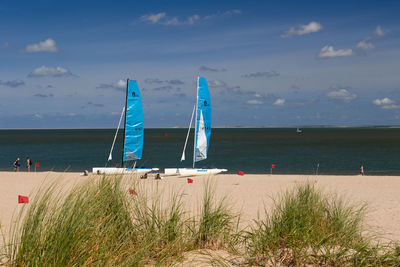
(248, 194)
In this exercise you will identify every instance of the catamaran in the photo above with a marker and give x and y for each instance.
(133, 133)
(202, 133)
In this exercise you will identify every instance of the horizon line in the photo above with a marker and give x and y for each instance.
(219, 127)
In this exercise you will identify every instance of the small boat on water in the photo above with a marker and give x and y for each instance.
(202, 133)
(133, 134)
(298, 130)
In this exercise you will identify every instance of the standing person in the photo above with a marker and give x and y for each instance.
(16, 165)
(28, 164)
(362, 170)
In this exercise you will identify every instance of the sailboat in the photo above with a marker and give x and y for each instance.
(133, 133)
(202, 133)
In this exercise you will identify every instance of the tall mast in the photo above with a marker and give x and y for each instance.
(126, 107)
(195, 123)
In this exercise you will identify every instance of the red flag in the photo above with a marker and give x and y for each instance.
(166, 135)
(272, 166)
(37, 164)
(240, 173)
(132, 192)
(23, 199)
(190, 181)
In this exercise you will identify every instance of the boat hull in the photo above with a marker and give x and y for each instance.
(192, 172)
(104, 170)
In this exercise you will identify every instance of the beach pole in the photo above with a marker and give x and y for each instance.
(272, 167)
(37, 164)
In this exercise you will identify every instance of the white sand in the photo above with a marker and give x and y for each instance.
(248, 194)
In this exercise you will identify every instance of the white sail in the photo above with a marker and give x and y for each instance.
(201, 145)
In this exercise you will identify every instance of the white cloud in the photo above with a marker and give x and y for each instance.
(216, 83)
(50, 71)
(383, 101)
(120, 85)
(48, 45)
(164, 19)
(12, 83)
(329, 51)
(379, 31)
(153, 18)
(342, 94)
(394, 106)
(386, 103)
(365, 45)
(267, 74)
(189, 21)
(254, 102)
(303, 29)
(232, 12)
(205, 68)
(280, 102)
(193, 19)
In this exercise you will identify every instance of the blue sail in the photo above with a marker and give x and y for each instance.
(203, 121)
(133, 144)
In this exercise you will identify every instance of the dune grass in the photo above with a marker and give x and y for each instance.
(306, 226)
(100, 223)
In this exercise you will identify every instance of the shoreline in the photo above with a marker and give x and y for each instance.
(222, 174)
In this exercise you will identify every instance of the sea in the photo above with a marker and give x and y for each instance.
(324, 150)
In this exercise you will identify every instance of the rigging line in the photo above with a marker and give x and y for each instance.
(116, 133)
(187, 136)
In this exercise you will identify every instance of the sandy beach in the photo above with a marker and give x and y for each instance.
(248, 194)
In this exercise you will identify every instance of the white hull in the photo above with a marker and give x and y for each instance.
(103, 170)
(171, 171)
(192, 172)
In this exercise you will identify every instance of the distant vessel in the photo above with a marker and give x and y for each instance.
(133, 133)
(202, 133)
(298, 130)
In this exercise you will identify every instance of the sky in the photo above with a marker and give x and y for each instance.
(64, 64)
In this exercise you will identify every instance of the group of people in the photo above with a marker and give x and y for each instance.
(17, 164)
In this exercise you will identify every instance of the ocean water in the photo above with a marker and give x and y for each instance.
(252, 150)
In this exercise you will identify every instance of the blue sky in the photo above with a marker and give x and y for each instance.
(268, 63)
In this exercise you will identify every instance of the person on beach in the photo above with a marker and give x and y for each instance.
(362, 170)
(28, 164)
(16, 165)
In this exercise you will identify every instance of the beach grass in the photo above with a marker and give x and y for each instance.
(118, 221)
(100, 223)
(307, 227)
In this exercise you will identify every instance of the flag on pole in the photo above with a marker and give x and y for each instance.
(37, 164)
(132, 192)
(23, 199)
(272, 166)
(241, 173)
(190, 181)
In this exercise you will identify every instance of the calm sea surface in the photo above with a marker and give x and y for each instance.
(252, 150)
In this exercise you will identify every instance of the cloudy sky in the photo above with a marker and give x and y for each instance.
(63, 64)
